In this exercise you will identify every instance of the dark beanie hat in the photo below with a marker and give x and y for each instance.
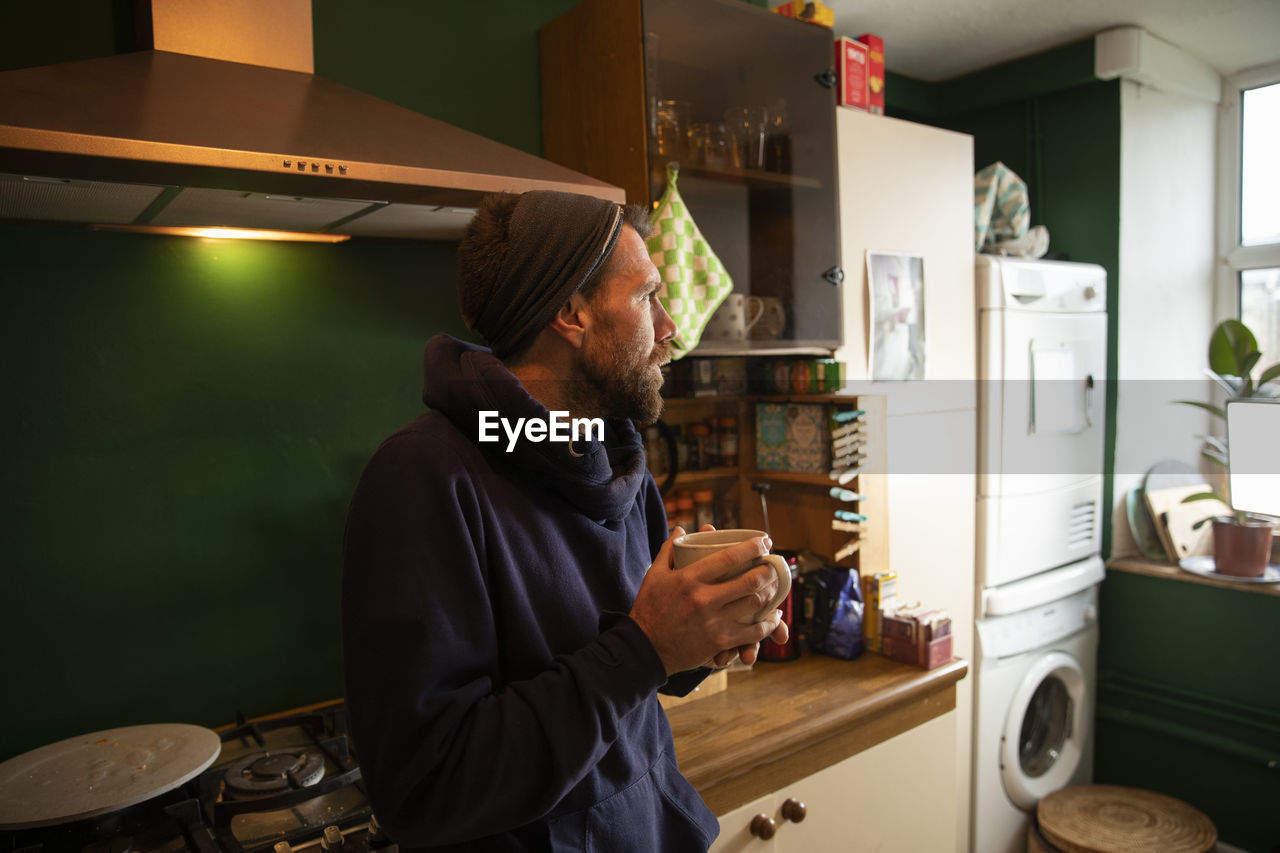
(556, 242)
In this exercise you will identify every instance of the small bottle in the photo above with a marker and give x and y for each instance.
(684, 512)
(727, 511)
(670, 506)
(703, 508)
(729, 442)
(699, 447)
(711, 449)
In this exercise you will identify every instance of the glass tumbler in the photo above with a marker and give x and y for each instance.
(747, 129)
(709, 144)
(670, 124)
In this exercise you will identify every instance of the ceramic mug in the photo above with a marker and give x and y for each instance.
(729, 322)
(772, 320)
(694, 546)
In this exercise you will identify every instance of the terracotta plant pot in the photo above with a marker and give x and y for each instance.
(1241, 549)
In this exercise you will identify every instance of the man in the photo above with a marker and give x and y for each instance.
(509, 608)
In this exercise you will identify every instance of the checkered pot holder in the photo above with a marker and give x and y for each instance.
(694, 282)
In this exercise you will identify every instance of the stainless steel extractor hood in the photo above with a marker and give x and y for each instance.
(169, 138)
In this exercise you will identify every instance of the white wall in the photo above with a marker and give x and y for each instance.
(1167, 226)
(908, 188)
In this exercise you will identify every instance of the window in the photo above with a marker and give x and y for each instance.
(1249, 214)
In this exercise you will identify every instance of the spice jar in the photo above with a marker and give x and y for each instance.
(703, 508)
(728, 433)
(684, 512)
(699, 447)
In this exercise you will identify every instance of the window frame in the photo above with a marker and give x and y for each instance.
(1234, 258)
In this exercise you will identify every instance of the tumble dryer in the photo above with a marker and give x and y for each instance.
(1041, 419)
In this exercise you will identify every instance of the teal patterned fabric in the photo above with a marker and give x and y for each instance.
(694, 282)
(1001, 210)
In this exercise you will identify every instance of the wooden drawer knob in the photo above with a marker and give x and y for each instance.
(793, 810)
(762, 826)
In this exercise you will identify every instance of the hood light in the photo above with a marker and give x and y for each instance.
(227, 233)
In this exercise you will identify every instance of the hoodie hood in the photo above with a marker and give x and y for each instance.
(600, 478)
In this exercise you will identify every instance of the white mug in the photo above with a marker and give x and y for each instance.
(729, 322)
(694, 546)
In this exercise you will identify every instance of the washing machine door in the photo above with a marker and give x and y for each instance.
(1042, 742)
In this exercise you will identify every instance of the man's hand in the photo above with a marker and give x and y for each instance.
(692, 617)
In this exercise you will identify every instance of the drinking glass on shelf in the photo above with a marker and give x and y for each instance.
(747, 128)
(670, 123)
(709, 144)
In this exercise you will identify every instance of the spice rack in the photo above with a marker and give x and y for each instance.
(801, 508)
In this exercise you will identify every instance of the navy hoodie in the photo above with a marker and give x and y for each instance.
(499, 696)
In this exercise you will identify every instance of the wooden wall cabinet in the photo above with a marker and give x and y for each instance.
(607, 65)
(800, 506)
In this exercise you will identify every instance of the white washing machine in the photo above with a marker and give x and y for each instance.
(1033, 702)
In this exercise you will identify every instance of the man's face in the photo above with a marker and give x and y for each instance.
(630, 338)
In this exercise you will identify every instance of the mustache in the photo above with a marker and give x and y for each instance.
(661, 353)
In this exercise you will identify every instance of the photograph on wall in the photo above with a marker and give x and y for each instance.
(896, 283)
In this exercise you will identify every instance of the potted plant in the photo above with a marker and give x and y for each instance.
(1241, 543)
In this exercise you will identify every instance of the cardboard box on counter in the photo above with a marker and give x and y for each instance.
(917, 635)
(925, 655)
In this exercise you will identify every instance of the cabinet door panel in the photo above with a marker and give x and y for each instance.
(898, 795)
(735, 829)
(769, 211)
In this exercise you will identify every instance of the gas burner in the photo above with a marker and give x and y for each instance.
(273, 772)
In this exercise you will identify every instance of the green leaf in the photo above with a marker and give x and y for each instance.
(1230, 342)
(1272, 372)
(1208, 407)
(1201, 496)
(1250, 359)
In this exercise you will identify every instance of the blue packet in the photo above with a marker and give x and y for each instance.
(836, 623)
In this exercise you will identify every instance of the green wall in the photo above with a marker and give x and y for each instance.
(186, 419)
(1188, 700)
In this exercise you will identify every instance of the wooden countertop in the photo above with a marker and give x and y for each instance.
(780, 722)
(1154, 569)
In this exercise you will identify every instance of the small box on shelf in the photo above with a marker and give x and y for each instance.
(792, 437)
(875, 72)
(851, 70)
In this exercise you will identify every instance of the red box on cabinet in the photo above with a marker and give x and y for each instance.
(851, 69)
(875, 72)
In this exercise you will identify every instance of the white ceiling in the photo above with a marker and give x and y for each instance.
(936, 40)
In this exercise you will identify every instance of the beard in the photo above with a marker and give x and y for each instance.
(617, 383)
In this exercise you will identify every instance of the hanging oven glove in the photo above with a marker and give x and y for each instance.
(1001, 210)
(694, 282)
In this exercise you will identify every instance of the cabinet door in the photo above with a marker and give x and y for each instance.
(735, 829)
(898, 795)
(767, 202)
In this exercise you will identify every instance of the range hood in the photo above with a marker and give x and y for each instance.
(171, 138)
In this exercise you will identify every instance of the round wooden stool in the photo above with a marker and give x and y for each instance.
(1111, 819)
